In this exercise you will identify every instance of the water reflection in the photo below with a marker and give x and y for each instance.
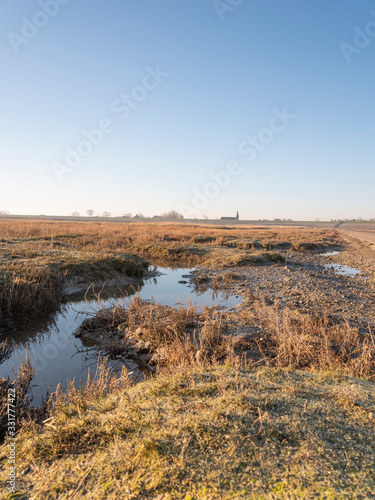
(343, 270)
(58, 355)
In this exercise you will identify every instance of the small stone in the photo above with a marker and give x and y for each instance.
(370, 415)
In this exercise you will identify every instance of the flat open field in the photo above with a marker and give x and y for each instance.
(273, 397)
(158, 220)
(367, 236)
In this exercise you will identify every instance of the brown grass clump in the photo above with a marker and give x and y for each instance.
(22, 399)
(27, 294)
(171, 337)
(179, 336)
(296, 340)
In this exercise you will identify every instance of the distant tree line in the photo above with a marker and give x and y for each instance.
(372, 219)
(276, 220)
(172, 214)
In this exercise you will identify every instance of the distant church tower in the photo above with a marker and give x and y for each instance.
(237, 216)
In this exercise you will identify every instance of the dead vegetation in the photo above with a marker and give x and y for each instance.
(21, 398)
(28, 293)
(283, 338)
(297, 340)
(166, 243)
(169, 337)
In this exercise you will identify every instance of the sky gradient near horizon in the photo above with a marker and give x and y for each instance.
(183, 91)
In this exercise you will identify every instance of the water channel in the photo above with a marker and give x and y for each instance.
(58, 355)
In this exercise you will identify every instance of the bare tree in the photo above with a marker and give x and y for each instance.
(106, 214)
(76, 214)
(172, 214)
(127, 215)
(90, 212)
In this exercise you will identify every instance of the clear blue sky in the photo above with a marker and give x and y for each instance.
(223, 71)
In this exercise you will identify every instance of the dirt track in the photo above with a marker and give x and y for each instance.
(367, 236)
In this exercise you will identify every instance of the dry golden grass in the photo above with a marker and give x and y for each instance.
(161, 243)
(115, 236)
(171, 337)
(27, 294)
(290, 339)
(215, 432)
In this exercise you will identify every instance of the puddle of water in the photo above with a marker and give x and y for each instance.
(58, 355)
(343, 270)
(340, 268)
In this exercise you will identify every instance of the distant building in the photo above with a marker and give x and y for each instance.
(231, 218)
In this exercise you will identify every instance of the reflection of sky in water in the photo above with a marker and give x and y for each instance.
(54, 350)
(169, 292)
(344, 270)
(328, 254)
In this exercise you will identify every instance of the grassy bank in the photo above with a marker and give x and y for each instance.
(207, 432)
(296, 422)
(34, 272)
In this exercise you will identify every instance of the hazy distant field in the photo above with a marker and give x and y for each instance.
(368, 235)
(312, 224)
(322, 224)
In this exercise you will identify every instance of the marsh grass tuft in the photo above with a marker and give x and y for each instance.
(22, 410)
(28, 293)
(172, 337)
(299, 340)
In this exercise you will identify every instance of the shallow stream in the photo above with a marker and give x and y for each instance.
(58, 355)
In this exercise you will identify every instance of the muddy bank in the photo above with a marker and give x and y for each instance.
(306, 283)
(72, 286)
